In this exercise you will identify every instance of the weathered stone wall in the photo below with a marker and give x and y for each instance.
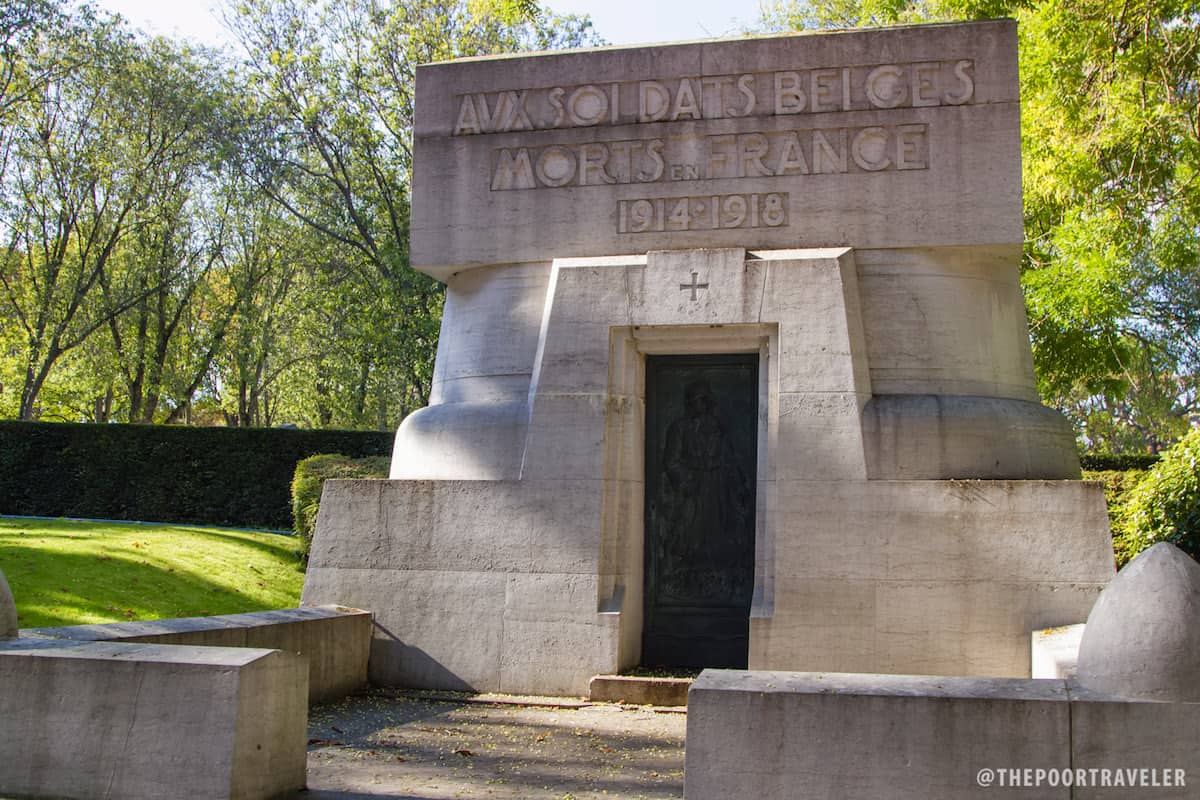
(335, 642)
(100, 719)
(777, 735)
(756, 143)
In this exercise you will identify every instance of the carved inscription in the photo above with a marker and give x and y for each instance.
(702, 213)
(825, 151)
(780, 93)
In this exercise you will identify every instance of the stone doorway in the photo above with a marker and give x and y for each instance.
(701, 455)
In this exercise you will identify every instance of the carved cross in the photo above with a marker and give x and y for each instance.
(693, 285)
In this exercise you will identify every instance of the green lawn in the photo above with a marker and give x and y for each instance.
(66, 572)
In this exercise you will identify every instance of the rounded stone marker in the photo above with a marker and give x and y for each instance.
(8, 611)
(1143, 636)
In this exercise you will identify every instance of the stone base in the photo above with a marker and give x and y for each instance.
(486, 586)
(335, 642)
(534, 586)
(777, 735)
(639, 691)
(925, 577)
(95, 719)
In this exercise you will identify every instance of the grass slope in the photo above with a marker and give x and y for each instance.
(68, 572)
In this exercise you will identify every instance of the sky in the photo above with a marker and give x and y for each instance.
(618, 21)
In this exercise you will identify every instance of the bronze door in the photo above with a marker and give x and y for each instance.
(701, 452)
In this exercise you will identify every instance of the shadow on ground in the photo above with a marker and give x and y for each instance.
(376, 746)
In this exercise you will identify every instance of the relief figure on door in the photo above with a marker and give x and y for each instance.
(706, 504)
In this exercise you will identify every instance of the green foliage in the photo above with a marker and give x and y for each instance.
(188, 239)
(71, 572)
(1118, 482)
(1110, 154)
(311, 474)
(328, 137)
(221, 476)
(1165, 506)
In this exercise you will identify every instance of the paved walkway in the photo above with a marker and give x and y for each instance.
(417, 747)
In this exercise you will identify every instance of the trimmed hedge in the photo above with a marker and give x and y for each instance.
(1109, 462)
(311, 474)
(163, 473)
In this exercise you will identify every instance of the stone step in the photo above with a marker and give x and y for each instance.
(637, 690)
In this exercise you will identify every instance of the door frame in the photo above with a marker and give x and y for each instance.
(622, 546)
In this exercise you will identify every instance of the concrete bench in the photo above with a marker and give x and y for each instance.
(102, 719)
(807, 735)
(335, 641)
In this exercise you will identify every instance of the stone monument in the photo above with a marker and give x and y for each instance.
(734, 371)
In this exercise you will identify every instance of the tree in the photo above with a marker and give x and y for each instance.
(177, 237)
(1109, 94)
(21, 23)
(103, 159)
(175, 247)
(66, 199)
(263, 281)
(330, 142)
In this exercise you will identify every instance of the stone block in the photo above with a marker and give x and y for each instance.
(334, 642)
(727, 288)
(1146, 742)
(490, 326)
(433, 629)
(637, 690)
(823, 434)
(554, 641)
(814, 296)
(938, 437)
(882, 737)
(448, 526)
(487, 585)
(567, 437)
(627, 150)
(946, 321)
(796, 736)
(928, 577)
(101, 719)
(822, 624)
